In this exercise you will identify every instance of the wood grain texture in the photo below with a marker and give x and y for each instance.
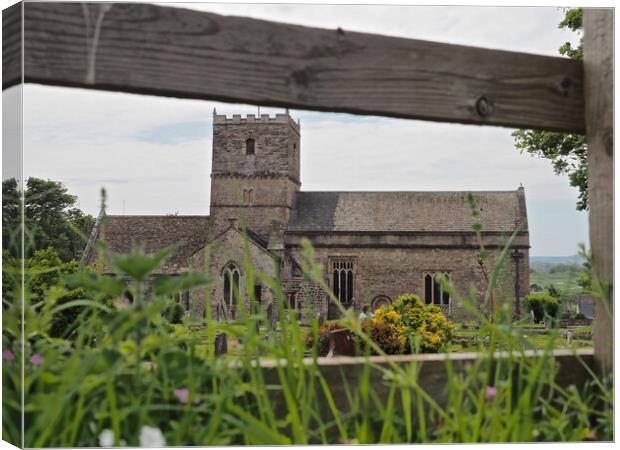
(12, 44)
(599, 75)
(166, 51)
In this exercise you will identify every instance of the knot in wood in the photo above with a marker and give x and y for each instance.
(483, 107)
(565, 86)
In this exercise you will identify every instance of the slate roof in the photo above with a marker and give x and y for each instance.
(500, 211)
(154, 233)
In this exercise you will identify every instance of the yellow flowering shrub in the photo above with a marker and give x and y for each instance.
(425, 327)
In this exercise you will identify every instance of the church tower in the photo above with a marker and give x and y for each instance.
(255, 172)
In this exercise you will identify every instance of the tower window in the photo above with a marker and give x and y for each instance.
(247, 197)
(433, 292)
(249, 146)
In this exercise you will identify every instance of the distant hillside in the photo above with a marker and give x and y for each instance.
(543, 260)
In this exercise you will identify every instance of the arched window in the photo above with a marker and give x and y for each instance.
(379, 301)
(231, 288)
(342, 280)
(293, 303)
(433, 292)
(249, 146)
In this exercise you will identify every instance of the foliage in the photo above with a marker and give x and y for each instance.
(51, 219)
(585, 276)
(558, 268)
(542, 305)
(534, 287)
(554, 291)
(173, 313)
(131, 378)
(573, 20)
(567, 283)
(387, 337)
(425, 326)
(566, 151)
(44, 272)
(388, 316)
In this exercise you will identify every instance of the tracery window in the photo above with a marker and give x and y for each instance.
(249, 146)
(433, 292)
(343, 273)
(231, 276)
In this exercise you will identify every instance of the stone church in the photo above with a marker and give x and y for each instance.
(373, 246)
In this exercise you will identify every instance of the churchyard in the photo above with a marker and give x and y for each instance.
(92, 360)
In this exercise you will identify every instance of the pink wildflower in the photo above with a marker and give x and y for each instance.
(36, 359)
(490, 393)
(7, 355)
(182, 395)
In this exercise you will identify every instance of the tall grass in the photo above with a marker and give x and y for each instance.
(125, 368)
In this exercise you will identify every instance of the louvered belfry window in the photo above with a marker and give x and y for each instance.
(343, 282)
(249, 146)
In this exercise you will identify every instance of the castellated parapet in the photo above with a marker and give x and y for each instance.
(222, 119)
(255, 170)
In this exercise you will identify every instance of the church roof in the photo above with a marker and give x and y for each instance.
(500, 211)
(154, 233)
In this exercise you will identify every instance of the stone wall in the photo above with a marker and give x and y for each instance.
(262, 185)
(230, 247)
(276, 145)
(396, 271)
(311, 299)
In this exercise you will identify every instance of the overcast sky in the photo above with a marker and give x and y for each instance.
(153, 154)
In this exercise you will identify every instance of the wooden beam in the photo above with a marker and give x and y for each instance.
(12, 44)
(599, 75)
(156, 50)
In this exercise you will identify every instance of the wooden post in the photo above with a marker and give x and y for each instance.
(598, 73)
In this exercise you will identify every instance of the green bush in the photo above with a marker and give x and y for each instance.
(425, 327)
(174, 312)
(387, 338)
(129, 373)
(541, 305)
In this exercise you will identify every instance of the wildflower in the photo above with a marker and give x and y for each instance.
(106, 438)
(36, 359)
(7, 355)
(151, 437)
(491, 392)
(182, 395)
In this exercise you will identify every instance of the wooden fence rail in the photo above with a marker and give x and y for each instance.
(166, 51)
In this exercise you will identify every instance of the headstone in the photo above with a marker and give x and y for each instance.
(270, 315)
(221, 344)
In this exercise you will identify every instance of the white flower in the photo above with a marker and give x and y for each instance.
(106, 438)
(151, 437)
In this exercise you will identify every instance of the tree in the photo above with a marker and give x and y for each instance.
(585, 277)
(43, 271)
(567, 151)
(51, 219)
(541, 305)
